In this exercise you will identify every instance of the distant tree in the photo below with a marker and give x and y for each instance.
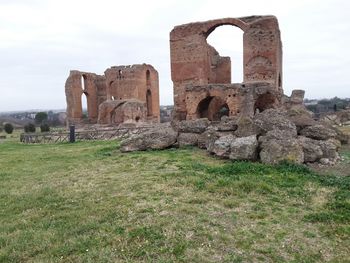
(40, 117)
(30, 127)
(44, 127)
(8, 127)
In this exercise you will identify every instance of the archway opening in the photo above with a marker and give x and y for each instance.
(84, 98)
(84, 106)
(149, 103)
(110, 91)
(227, 40)
(213, 108)
(264, 102)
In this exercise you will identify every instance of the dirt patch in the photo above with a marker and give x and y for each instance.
(341, 168)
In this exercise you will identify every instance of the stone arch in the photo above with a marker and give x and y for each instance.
(264, 101)
(213, 108)
(220, 68)
(225, 65)
(212, 25)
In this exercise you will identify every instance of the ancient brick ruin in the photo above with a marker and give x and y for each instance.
(202, 78)
(252, 120)
(123, 94)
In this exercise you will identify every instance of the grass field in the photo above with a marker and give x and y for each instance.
(87, 202)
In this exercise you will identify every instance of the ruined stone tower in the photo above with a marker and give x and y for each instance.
(123, 94)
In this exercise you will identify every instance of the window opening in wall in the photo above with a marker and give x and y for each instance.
(84, 98)
(148, 79)
(228, 41)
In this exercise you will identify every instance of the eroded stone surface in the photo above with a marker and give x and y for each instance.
(186, 139)
(155, 139)
(244, 148)
(274, 151)
(193, 126)
(222, 146)
(318, 132)
(312, 150)
(272, 119)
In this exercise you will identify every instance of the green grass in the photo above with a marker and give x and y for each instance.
(87, 202)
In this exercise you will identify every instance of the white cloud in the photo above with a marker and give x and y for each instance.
(40, 41)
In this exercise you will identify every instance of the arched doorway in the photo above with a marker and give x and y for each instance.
(228, 42)
(149, 103)
(84, 99)
(213, 108)
(264, 102)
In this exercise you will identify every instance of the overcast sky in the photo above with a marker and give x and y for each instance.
(42, 40)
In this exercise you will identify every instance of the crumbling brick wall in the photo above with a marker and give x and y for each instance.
(195, 63)
(136, 82)
(86, 84)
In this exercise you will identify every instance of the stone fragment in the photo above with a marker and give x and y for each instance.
(329, 149)
(155, 139)
(222, 146)
(274, 151)
(273, 119)
(207, 139)
(318, 132)
(193, 126)
(277, 135)
(187, 139)
(324, 161)
(312, 149)
(246, 127)
(227, 124)
(244, 148)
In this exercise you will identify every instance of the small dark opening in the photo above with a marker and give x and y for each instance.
(279, 80)
(264, 102)
(149, 103)
(213, 108)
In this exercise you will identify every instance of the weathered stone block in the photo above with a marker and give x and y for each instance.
(244, 148)
(273, 151)
(193, 126)
(156, 139)
(186, 139)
